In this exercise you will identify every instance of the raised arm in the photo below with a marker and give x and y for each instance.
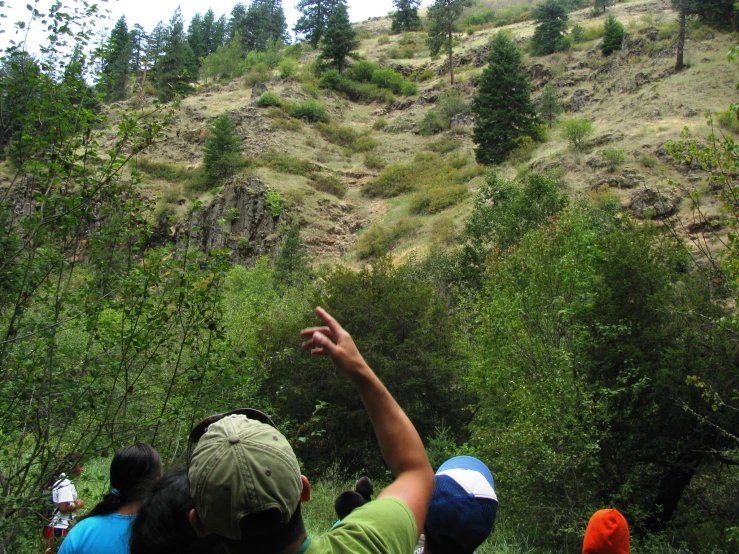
(398, 439)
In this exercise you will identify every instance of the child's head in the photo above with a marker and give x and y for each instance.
(346, 502)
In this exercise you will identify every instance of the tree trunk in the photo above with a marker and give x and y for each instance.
(680, 63)
(673, 484)
(451, 60)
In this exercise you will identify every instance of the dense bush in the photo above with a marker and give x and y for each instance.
(439, 119)
(362, 71)
(329, 184)
(577, 131)
(310, 110)
(347, 137)
(222, 151)
(269, 99)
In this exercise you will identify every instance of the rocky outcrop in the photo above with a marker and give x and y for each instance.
(628, 179)
(579, 99)
(238, 219)
(650, 202)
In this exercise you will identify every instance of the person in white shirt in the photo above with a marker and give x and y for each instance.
(64, 498)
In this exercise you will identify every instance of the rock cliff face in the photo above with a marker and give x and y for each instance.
(239, 219)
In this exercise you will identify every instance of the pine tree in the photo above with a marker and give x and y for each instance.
(720, 13)
(443, 15)
(139, 40)
(680, 61)
(264, 25)
(406, 16)
(551, 17)
(339, 39)
(504, 113)
(549, 105)
(156, 43)
(292, 267)
(220, 33)
(602, 4)
(116, 62)
(238, 12)
(613, 35)
(177, 67)
(196, 36)
(314, 19)
(222, 150)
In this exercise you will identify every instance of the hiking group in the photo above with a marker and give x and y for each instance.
(242, 489)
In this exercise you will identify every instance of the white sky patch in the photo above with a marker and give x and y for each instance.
(149, 12)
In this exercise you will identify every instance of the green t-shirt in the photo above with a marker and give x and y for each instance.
(383, 526)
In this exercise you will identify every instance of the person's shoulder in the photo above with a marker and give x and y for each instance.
(382, 526)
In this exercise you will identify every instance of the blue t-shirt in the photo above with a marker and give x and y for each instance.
(99, 535)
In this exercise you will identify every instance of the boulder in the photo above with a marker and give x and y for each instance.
(539, 72)
(653, 203)
(579, 99)
(257, 90)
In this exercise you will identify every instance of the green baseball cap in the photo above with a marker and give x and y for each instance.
(241, 467)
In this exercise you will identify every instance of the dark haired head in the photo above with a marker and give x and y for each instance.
(133, 472)
(162, 526)
(262, 532)
(365, 488)
(346, 502)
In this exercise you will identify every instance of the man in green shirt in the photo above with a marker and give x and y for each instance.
(246, 483)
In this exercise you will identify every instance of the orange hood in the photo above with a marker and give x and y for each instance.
(607, 533)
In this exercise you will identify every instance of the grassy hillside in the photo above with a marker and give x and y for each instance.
(634, 99)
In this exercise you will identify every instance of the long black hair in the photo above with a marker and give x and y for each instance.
(162, 525)
(133, 472)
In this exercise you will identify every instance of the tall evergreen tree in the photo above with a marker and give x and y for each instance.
(339, 39)
(680, 61)
(156, 44)
(220, 33)
(721, 13)
(406, 16)
(443, 15)
(177, 67)
(314, 18)
(504, 113)
(209, 33)
(196, 36)
(264, 25)
(222, 150)
(116, 62)
(551, 17)
(613, 35)
(238, 12)
(549, 105)
(139, 41)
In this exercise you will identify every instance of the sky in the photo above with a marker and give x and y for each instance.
(149, 12)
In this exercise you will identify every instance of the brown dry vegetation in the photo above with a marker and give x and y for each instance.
(635, 103)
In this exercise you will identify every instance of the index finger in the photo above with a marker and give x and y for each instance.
(328, 320)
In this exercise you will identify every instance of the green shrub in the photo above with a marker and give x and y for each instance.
(311, 90)
(578, 34)
(444, 145)
(329, 184)
(425, 75)
(431, 123)
(408, 88)
(191, 178)
(357, 92)
(288, 68)
(523, 152)
(613, 157)
(427, 170)
(268, 100)
(648, 160)
(379, 124)
(310, 110)
(668, 30)
(478, 19)
(347, 137)
(434, 199)
(577, 131)
(372, 160)
(728, 120)
(254, 77)
(439, 119)
(388, 79)
(222, 151)
(285, 163)
(384, 39)
(362, 71)
(381, 239)
(273, 200)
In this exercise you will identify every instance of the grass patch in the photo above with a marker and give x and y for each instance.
(381, 239)
(192, 178)
(728, 120)
(347, 138)
(285, 163)
(372, 160)
(428, 170)
(435, 199)
(329, 184)
(444, 145)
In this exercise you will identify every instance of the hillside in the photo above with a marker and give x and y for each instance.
(634, 99)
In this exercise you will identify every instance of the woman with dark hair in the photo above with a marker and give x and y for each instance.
(106, 529)
(162, 526)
